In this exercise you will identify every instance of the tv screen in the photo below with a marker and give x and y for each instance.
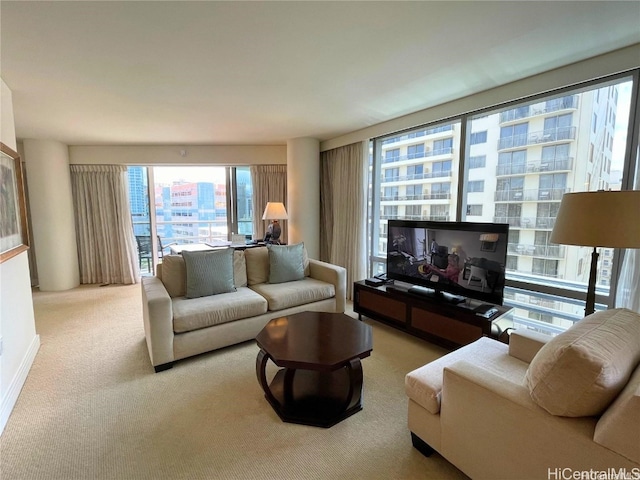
(465, 259)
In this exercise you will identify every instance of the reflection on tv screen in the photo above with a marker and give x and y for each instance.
(462, 258)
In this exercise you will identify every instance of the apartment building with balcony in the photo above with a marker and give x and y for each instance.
(520, 161)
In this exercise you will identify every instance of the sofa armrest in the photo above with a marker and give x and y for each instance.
(525, 344)
(334, 274)
(491, 428)
(158, 321)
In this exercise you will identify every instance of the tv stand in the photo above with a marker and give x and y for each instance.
(436, 294)
(438, 317)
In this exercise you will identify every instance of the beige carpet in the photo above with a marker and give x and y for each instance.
(92, 408)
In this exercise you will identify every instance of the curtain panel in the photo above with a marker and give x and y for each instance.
(343, 215)
(269, 185)
(104, 229)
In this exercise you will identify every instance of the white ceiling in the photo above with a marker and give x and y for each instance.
(92, 73)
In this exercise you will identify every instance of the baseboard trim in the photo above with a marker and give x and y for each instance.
(10, 399)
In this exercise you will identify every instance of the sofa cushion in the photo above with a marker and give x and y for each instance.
(239, 269)
(257, 259)
(424, 385)
(209, 272)
(579, 372)
(617, 429)
(291, 294)
(202, 312)
(286, 263)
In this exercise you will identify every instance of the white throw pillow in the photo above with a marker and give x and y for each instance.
(581, 371)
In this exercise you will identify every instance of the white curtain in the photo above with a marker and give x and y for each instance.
(104, 229)
(343, 215)
(628, 289)
(269, 185)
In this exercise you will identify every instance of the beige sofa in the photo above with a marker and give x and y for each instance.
(537, 408)
(177, 327)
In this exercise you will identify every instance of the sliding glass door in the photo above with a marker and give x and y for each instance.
(189, 204)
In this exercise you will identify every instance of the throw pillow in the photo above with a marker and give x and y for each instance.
(580, 372)
(257, 259)
(209, 272)
(174, 275)
(286, 263)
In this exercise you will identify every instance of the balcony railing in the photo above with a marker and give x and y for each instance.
(544, 136)
(417, 176)
(543, 166)
(433, 218)
(417, 155)
(530, 195)
(424, 196)
(565, 103)
(540, 223)
(418, 134)
(546, 251)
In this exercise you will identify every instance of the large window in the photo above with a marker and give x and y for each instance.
(517, 163)
(191, 204)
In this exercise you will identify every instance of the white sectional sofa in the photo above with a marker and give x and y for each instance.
(261, 284)
(537, 408)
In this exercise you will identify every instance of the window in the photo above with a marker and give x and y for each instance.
(392, 155)
(442, 147)
(392, 174)
(547, 145)
(415, 151)
(474, 210)
(442, 169)
(478, 137)
(478, 161)
(414, 172)
(440, 190)
(414, 192)
(390, 193)
(476, 186)
(512, 162)
(191, 204)
(513, 136)
(413, 212)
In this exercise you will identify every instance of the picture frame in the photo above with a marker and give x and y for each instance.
(14, 238)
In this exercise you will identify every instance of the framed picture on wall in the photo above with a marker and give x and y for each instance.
(13, 211)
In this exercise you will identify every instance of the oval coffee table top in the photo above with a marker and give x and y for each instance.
(315, 340)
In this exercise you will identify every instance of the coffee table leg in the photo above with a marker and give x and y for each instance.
(261, 372)
(355, 384)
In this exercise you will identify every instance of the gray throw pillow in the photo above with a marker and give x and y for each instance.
(209, 272)
(286, 263)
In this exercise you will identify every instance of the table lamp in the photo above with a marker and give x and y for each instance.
(275, 211)
(598, 219)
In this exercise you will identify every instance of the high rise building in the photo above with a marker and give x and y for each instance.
(520, 162)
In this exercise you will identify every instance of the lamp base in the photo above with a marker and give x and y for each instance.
(590, 306)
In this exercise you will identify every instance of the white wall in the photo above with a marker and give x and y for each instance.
(17, 323)
(52, 215)
(618, 61)
(179, 155)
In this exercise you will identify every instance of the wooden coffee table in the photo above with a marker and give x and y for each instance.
(320, 383)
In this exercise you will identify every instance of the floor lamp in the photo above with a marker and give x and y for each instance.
(275, 211)
(598, 219)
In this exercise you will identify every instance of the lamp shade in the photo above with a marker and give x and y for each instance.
(275, 211)
(599, 219)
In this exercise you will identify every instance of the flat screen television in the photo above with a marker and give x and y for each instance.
(452, 260)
